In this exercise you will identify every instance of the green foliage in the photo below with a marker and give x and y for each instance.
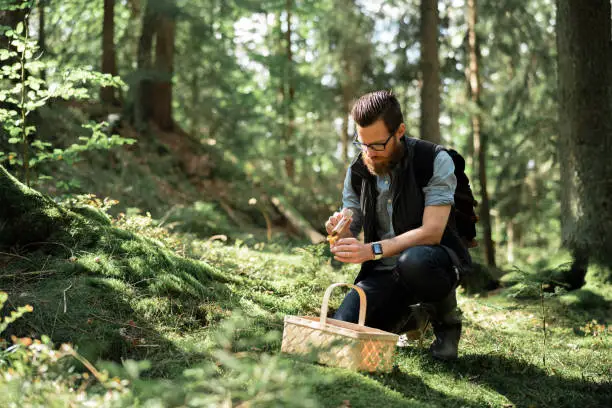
(29, 92)
(31, 373)
(257, 379)
(35, 373)
(529, 284)
(7, 320)
(201, 219)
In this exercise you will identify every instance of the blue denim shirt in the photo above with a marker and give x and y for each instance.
(439, 191)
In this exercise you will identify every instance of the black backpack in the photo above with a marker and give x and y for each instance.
(463, 210)
(465, 203)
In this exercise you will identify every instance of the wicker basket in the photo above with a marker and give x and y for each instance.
(340, 344)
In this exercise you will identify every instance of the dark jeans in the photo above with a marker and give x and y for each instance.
(423, 274)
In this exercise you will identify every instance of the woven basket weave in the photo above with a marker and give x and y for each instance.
(340, 344)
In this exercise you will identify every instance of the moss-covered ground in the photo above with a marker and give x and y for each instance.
(137, 292)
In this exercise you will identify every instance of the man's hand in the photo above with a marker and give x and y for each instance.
(350, 250)
(333, 221)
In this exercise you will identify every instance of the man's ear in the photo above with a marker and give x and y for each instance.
(400, 131)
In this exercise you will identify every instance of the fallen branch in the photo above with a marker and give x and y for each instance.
(297, 221)
(20, 274)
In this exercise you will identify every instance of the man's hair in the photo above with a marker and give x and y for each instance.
(378, 105)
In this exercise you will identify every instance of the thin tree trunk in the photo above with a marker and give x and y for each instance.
(404, 71)
(346, 111)
(469, 149)
(193, 111)
(42, 46)
(348, 86)
(480, 139)
(290, 124)
(275, 42)
(143, 96)
(430, 71)
(510, 233)
(11, 18)
(109, 60)
(585, 131)
(164, 64)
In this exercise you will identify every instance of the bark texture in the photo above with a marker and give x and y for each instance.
(479, 138)
(109, 60)
(585, 131)
(430, 71)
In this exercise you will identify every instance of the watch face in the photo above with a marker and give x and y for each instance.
(377, 248)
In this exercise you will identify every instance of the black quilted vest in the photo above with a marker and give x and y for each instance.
(408, 201)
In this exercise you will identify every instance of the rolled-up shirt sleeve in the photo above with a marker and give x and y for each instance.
(350, 199)
(441, 187)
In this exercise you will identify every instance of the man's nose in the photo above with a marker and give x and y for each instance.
(372, 153)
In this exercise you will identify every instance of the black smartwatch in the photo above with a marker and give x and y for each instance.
(378, 251)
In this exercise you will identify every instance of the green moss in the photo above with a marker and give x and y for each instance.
(512, 278)
(584, 299)
(523, 291)
(29, 218)
(599, 274)
(93, 214)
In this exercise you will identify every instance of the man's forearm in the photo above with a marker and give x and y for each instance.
(419, 236)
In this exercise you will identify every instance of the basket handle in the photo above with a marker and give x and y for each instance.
(325, 305)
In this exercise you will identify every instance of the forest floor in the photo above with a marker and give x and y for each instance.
(208, 317)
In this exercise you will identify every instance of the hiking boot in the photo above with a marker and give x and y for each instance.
(446, 323)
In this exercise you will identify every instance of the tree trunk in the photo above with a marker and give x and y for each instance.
(585, 130)
(164, 64)
(349, 84)
(109, 60)
(194, 115)
(470, 169)
(430, 71)
(510, 233)
(143, 94)
(480, 139)
(346, 112)
(10, 18)
(290, 123)
(42, 46)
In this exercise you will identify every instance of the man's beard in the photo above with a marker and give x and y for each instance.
(382, 167)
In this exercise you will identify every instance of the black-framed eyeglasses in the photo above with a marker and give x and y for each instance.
(377, 147)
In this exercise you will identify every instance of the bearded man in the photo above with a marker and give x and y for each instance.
(411, 245)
